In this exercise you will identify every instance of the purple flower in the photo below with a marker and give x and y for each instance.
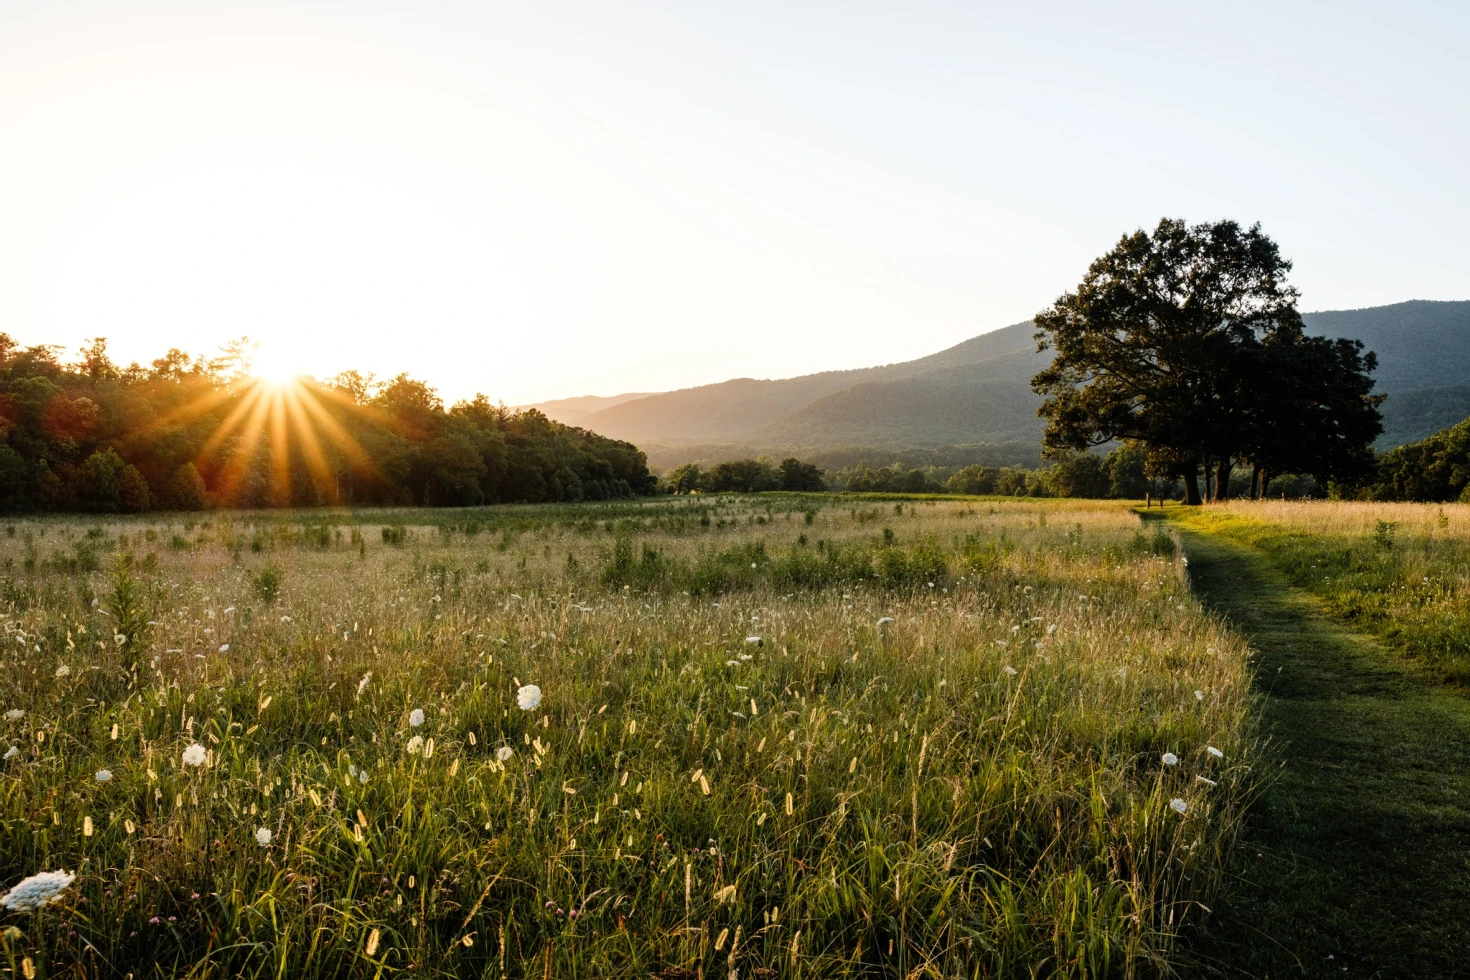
(153, 921)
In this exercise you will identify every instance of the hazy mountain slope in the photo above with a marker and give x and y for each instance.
(745, 408)
(1420, 344)
(571, 411)
(977, 393)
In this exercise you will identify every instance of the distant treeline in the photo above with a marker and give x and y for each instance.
(1434, 469)
(192, 432)
(1118, 474)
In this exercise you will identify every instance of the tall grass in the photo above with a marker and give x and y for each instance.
(1398, 571)
(914, 739)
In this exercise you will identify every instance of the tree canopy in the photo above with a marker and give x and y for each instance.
(191, 432)
(1188, 341)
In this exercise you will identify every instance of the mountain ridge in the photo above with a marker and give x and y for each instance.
(977, 393)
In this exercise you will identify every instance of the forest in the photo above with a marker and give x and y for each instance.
(191, 432)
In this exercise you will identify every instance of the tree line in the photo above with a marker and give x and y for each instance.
(189, 432)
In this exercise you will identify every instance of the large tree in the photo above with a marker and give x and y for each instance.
(1169, 341)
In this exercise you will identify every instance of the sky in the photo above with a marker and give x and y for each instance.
(553, 199)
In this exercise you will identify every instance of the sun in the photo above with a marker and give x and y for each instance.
(274, 366)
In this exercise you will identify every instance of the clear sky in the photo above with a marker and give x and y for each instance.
(550, 199)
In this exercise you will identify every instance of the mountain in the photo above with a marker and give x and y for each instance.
(973, 402)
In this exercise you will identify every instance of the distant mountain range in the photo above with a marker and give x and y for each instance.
(973, 402)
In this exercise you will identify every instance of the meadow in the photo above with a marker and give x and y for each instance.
(774, 736)
(1399, 572)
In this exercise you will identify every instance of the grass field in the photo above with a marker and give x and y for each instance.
(1399, 572)
(776, 737)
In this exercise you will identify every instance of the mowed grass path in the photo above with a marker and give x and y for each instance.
(1357, 855)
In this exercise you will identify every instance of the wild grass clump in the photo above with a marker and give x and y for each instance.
(822, 766)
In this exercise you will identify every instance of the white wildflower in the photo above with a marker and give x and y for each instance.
(504, 753)
(1208, 782)
(885, 620)
(224, 648)
(756, 640)
(1199, 695)
(416, 717)
(415, 744)
(1178, 805)
(12, 752)
(362, 684)
(62, 671)
(1008, 670)
(14, 714)
(194, 755)
(528, 697)
(1214, 752)
(37, 891)
(362, 777)
(263, 837)
(229, 609)
(104, 775)
(1170, 759)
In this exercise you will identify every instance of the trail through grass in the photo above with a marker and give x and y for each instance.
(1357, 857)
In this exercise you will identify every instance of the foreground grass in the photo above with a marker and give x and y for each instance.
(1356, 856)
(1400, 572)
(777, 738)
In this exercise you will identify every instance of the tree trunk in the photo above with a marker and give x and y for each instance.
(1255, 480)
(1191, 488)
(1265, 482)
(1222, 479)
(1209, 480)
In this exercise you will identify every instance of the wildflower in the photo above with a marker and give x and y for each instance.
(504, 753)
(263, 837)
(194, 755)
(1170, 759)
(119, 639)
(12, 752)
(1199, 695)
(528, 697)
(62, 671)
(1208, 782)
(885, 620)
(1178, 805)
(756, 640)
(224, 648)
(362, 684)
(1008, 670)
(1214, 752)
(104, 776)
(14, 714)
(362, 777)
(415, 744)
(416, 717)
(37, 891)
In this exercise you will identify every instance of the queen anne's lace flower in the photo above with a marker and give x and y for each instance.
(1170, 759)
(37, 891)
(104, 775)
(528, 697)
(504, 753)
(194, 755)
(263, 836)
(415, 744)
(14, 714)
(416, 717)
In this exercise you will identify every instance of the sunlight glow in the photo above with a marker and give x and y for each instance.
(274, 365)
